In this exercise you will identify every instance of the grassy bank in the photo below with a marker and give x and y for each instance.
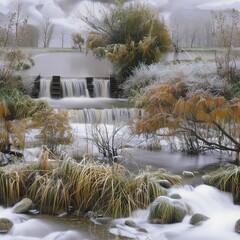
(87, 186)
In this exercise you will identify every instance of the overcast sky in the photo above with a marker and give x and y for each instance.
(64, 12)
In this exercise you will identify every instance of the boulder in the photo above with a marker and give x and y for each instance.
(175, 196)
(5, 225)
(206, 179)
(197, 218)
(188, 174)
(131, 223)
(22, 206)
(165, 183)
(165, 210)
(237, 226)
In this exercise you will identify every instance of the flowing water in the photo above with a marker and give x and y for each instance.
(27, 228)
(76, 87)
(216, 205)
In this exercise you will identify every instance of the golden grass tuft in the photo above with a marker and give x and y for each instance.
(87, 186)
(227, 180)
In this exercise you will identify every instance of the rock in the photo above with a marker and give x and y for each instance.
(22, 206)
(104, 220)
(237, 226)
(197, 218)
(188, 174)
(175, 196)
(180, 210)
(5, 225)
(165, 210)
(143, 230)
(165, 183)
(69, 212)
(131, 223)
(206, 179)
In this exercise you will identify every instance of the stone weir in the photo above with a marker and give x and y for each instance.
(57, 87)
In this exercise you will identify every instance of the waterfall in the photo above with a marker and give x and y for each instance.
(107, 116)
(101, 88)
(74, 88)
(77, 88)
(45, 88)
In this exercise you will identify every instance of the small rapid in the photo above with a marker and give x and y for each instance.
(216, 205)
(27, 228)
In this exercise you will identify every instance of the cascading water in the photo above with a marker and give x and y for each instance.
(45, 88)
(107, 116)
(74, 88)
(82, 108)
(77, 88)
(101, 88)
(216, 205)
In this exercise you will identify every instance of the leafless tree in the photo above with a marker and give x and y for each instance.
(193, 37)
(20, 21)
(31, 38)
(14, 30)
(177, 36)
(46, 32)
(226, 28)
(62, 36)
(7, 30)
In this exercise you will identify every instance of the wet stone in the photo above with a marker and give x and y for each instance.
(197, 218)
(22, 206)
(5, 225)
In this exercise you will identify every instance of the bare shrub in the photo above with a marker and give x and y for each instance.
(109, 140)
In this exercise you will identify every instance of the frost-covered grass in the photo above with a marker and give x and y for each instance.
(197, 74)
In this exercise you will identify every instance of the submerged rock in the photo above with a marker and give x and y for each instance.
(197, 218)
(165, 210)
(5, 225)
(175, 196)
(131, 223)
(103, 220)
(22, 206)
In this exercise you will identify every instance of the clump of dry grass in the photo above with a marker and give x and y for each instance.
(87, 185)
(227, 180)
(12, 186)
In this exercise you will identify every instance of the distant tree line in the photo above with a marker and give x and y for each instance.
(18, 32)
